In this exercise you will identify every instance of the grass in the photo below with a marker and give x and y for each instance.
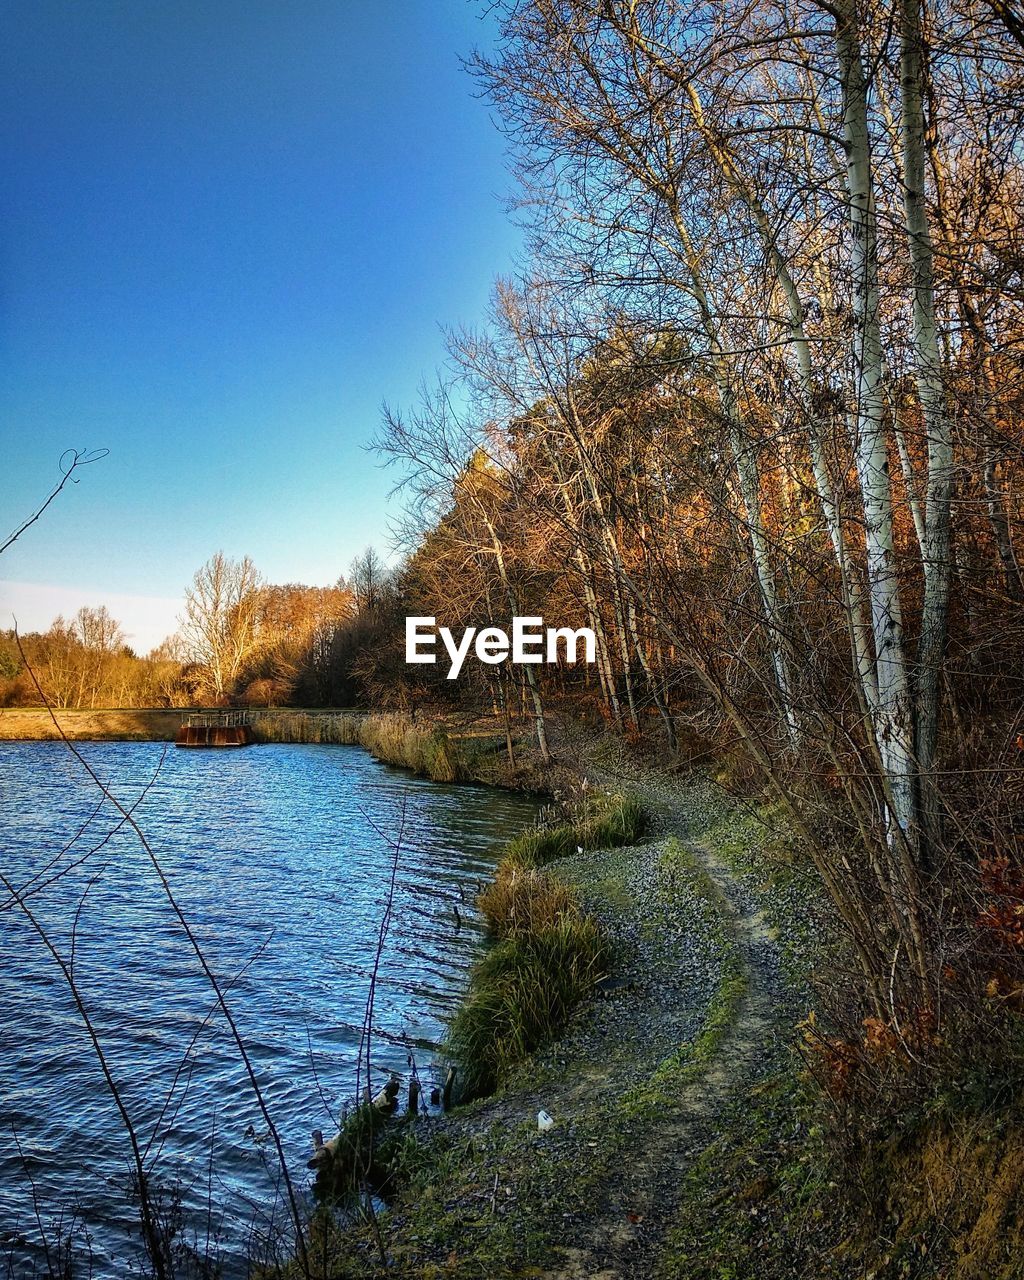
(523, 900)
(114, 725)
(521, 993)
(605, 822)
(396, 739)
(393, 738)
(341, 727)
(548, 955)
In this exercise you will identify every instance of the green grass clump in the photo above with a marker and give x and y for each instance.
(616, 820)
(521, 994)
(540, 845)
(606, 822)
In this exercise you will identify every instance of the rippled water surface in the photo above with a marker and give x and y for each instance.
(279, 857)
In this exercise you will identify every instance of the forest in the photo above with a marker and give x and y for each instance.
(753, 412)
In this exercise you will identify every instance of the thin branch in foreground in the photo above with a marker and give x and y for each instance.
(70, 461)
(204, 964)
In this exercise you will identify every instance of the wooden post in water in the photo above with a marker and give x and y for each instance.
(413, 1106)
(449, 1080)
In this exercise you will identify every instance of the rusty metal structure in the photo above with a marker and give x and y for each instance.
(216, 729)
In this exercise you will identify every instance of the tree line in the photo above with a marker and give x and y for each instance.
(240, 641)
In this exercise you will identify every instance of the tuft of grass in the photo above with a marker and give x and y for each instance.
(606, 822)
(523, 900)
(521, 993)
(540, 845)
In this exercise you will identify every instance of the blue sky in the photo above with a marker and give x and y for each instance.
(228, 232)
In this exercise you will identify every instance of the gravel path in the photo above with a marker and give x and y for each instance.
(625, 1233)
(594, 1197)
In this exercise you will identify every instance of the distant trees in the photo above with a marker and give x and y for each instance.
(85, 662)
(296, 631)
(245, 640)
(242, 641)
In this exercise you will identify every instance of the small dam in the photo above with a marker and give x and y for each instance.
(216, 729)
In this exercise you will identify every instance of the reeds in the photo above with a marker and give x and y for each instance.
(393, 738)
(330, 727)
(396, 739)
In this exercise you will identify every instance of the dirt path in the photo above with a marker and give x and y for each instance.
(627, 1224)
(638, 1081)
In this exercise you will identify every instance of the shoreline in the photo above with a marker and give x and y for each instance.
(693, 1013)
(130, 724)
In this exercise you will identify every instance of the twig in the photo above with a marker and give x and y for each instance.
(67, 469)
(204, 964)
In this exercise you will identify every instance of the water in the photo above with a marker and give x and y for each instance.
(279, 857)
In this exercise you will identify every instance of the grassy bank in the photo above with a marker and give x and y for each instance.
(392, 737)
(131, 724)
(483, 1192)
(548, 953)
(34, 724)
(426, 748)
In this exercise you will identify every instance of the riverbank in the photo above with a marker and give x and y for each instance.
(161, 724)
(694, 1135)
(438, 749)
(697, 1010)
(35, 724)
(688, 1139)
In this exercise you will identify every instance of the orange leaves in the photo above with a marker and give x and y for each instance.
(839, 1064)
(1003, 916)
(1004, 990)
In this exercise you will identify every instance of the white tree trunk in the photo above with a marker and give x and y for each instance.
(935, 547)
(893, 716)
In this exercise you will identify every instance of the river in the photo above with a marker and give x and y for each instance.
(280, 858)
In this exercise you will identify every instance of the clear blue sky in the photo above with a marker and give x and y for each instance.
(228, 231)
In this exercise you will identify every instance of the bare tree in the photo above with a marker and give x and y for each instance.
(219, 627)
